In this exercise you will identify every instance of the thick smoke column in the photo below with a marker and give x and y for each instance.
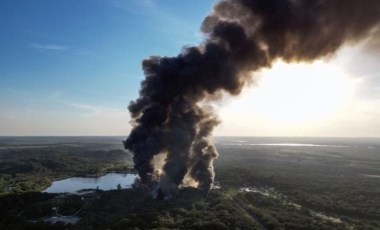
(172, 117)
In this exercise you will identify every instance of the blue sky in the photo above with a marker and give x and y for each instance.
(71, 68)
(62, 59)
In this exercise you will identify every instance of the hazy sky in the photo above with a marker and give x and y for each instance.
(71, 67)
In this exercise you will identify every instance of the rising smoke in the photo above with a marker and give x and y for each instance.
(172, 115)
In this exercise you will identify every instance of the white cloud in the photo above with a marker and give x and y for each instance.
(52, 47)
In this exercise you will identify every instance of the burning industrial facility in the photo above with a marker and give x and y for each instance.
(172, 119)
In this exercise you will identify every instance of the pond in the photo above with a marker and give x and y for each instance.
(107, 182)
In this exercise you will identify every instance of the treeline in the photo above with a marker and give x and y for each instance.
(135, 209)
(333, 185)
(312, 190)
(32, 169)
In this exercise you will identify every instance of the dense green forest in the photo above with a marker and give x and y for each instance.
(33, 168)
(258, 187)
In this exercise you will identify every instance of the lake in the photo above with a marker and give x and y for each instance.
(106, 182)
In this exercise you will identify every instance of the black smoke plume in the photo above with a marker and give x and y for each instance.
(172, 116)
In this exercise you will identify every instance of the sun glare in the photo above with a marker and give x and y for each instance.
(293, 94)
(303, 92)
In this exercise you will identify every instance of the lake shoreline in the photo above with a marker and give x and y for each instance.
(109, 181)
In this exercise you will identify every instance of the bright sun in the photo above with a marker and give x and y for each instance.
(303, 92)
(295, 93)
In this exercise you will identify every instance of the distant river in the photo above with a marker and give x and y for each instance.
(106, 182)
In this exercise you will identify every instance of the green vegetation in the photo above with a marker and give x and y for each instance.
(33, 169)
(262, 188)
(319, 180)
(135, 209)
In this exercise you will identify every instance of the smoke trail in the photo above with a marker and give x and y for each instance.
(171, 115)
